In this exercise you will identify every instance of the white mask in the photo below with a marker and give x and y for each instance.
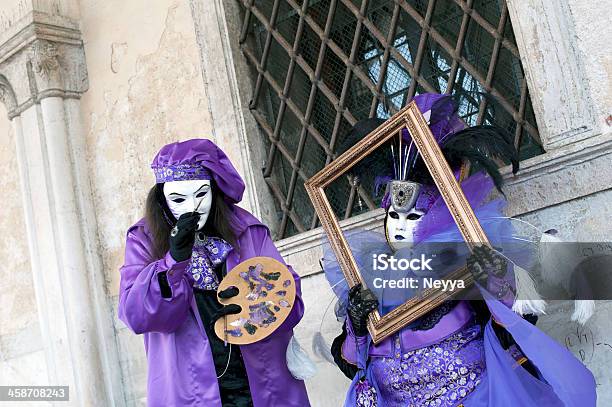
(185, 196)
(400, 226)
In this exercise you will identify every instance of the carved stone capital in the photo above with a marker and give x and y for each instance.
(7, 96)
(41, 56)
(44, 57)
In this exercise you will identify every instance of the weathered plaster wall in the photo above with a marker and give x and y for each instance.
(146, 90)
(584, 219)
(22, 359)
(229, 88)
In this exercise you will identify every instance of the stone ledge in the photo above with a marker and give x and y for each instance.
(37, 25)
(313, 238)
(576, 170)
(579, 151)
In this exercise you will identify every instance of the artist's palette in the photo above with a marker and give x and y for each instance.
(266, 296)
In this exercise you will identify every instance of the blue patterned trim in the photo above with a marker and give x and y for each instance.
(182, 172)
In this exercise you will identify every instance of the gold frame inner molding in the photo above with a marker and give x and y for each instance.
(409, 117)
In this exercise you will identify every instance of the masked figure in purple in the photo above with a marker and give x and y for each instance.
(192, 234)
(465, 352)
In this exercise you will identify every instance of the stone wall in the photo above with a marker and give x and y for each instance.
(591, 34)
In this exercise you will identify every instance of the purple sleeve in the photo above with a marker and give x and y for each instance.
(141, 304)
(264, 246)
(352, 343)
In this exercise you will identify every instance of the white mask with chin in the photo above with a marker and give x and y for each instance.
(185, 196)
(400, 227)
(402, 218)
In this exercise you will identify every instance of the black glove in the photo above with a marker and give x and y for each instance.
(182, 236)
(360, 303)
(227, 309)
(483, 262)
(228, 293)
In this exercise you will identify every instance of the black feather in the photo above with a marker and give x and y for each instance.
(481, 145)
(378, 163)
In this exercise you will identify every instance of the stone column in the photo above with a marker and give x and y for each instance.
(559, 88)
(42, 75)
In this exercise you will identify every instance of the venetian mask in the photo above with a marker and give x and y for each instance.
(187, 196)
(402, 217)
(400, 226)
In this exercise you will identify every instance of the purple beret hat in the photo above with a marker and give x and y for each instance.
(198, 159)
(443, 120)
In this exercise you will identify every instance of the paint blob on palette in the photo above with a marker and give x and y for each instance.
(266, 296)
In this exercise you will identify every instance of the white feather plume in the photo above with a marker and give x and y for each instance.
(583, 311)
(528, 300)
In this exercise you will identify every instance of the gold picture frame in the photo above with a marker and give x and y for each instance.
(409, 117)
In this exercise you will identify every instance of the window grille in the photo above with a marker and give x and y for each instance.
(321, 65)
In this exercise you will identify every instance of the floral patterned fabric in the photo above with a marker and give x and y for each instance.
(441, 375)
(366, 394)
(182, 172)
(208, 253)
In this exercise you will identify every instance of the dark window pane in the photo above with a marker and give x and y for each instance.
(322, 103)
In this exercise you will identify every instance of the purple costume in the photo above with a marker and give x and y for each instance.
(181, 371)
(446, 358)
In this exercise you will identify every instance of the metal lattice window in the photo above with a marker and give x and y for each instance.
(321, 65)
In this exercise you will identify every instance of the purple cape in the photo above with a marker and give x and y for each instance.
(181, 370)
